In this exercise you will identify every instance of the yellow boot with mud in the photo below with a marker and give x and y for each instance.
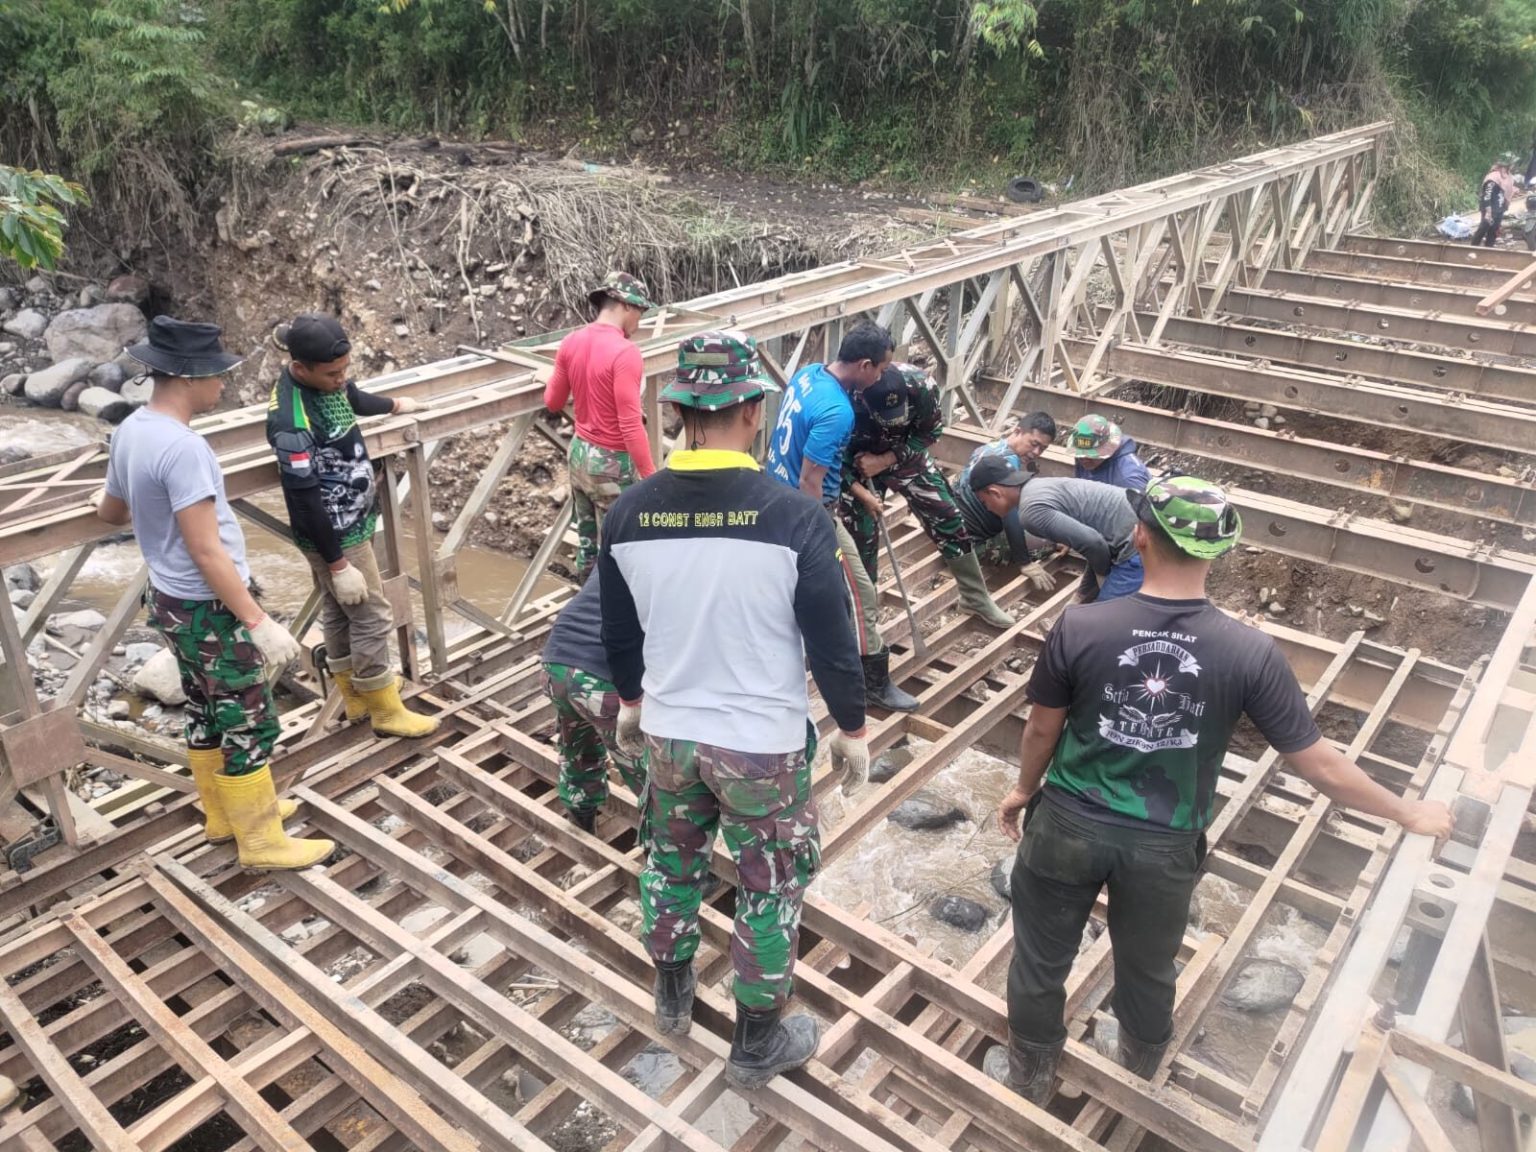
(340, 668)
(390, 716)
(206, 763)
(250, 803)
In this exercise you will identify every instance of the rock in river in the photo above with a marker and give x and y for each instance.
(1263, 986)
(926, 812)
(1002, 876)
(958, 912)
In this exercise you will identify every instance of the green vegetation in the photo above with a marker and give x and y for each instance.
(31, 222)
(1111, 91)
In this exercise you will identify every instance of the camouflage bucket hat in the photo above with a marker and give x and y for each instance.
(1096, 438)
(1193, 513)
(718, 370)
(623, 287)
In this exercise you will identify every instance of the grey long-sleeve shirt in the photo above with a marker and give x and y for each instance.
(1094, 520)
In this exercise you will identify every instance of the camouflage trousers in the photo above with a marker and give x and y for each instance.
(763, 807)
(229, 704)
(586, 716)
(920, 481)
(597, 477)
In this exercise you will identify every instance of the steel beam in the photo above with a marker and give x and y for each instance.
(1481, 494)
(1437, 251)
(1404, 270)
(1427, 413)
(1474, 334)
(1448, 301)
(1405, 366)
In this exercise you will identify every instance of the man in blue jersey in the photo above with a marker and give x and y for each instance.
(806, 452)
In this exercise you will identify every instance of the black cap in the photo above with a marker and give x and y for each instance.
(315, 338)
(995, 469)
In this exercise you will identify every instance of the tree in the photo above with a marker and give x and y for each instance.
(31, 220)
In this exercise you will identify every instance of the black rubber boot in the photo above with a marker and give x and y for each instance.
(1028, 1069)
(584, 818)
(1137, 1058)
(764, 1046)
(878, 689)
(674, 997)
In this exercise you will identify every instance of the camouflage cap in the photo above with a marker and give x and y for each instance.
(623, 287)
(718, 370)
(1193, 513)
(1096, 438)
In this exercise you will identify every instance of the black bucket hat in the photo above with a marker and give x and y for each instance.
(184, 348)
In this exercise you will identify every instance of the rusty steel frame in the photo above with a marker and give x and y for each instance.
(466, 822)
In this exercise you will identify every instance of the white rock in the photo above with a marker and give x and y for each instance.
(85, 620)
(1268, 411)
(160, 679)
(49, 386)
(100, 333)
(29, 324)
(9, 1093)
(104, 404)
(21, 597)
(402, 331)
(1262, 423)
(487, 289)
(13, 384)
(141, 652)
(119, 710)
(1276, 608)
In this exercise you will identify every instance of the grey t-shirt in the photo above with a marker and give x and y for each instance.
(158, 466)
(1092, 519)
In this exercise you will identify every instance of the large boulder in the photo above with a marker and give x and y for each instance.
(23, 575)
(48, 386)
(101, 332)
(141, 652)
(76, 628)
(29, 324)
(958, 912)
(926, 812)
(137, 392)
(160, 679)
(104, 404)
(1001, 877)
(109, 376)
(129, 290)
(13, 384)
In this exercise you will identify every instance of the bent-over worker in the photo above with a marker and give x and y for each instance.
(1133, 704)
(333, 507)
(718, 584)
(166, 479)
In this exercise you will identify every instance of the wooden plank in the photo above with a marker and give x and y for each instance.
(1458, 1066)
(1354, 1092)
(1482, 1029)
(1425, 1127)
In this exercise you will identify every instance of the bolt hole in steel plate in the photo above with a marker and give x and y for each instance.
(1473, 337)
(1291, 391)
(1500, 309)
(1341, 465)
(1383, 325)
(1474, 494)
(1341, 356)
(1445, 277)
(1439, 373)
(1276, 528)
(1402, 409)
(1224, 441)
(1441, 880)
(1250, 340)
(1424, 564)
(1431, 911)
(1298, 311)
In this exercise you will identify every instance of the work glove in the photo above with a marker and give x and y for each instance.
(1041, 580)
(627, 732)
(404, 404)
(850, 756)
(349, 586)
(277, 647)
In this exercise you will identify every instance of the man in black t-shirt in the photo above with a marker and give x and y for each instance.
(1133, 704)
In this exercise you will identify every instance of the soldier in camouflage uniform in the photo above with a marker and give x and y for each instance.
(718, 584)
(165, 479)
(601, 367)
(580, 686)
(894, 425)
(1133, 702)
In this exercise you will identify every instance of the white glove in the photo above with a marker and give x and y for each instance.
(1039, 578)
(627, 732)
(850, 755)
(349, 586)
(278, 648)
(404, 404)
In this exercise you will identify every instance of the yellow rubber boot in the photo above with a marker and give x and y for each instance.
(390, 716)
(250, 803)
(206, 763)
(340, 668)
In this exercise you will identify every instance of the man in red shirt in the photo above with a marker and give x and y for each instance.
(601, 365)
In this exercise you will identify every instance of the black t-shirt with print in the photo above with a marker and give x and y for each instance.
(1154, 689)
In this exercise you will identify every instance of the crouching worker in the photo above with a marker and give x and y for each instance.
(165, 478)
(333, 508)
(578, 683)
